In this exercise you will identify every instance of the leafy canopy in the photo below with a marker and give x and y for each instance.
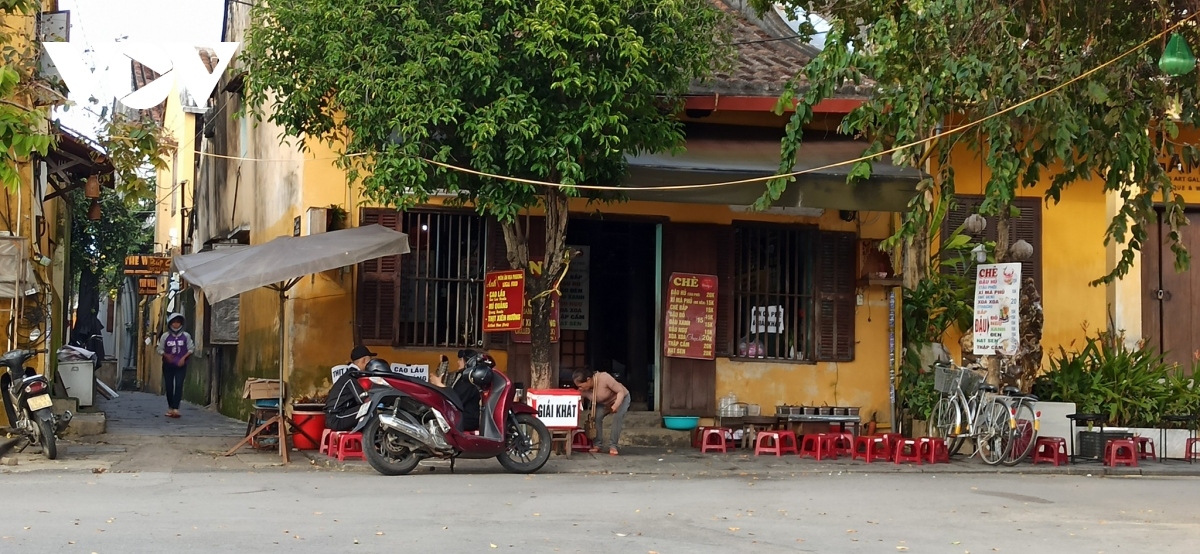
(22, 132)
(122, 230)
(554, 90)
(939, 63)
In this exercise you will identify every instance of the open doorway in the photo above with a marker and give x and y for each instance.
(617, 334)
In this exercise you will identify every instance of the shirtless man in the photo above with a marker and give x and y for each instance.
(610, 397)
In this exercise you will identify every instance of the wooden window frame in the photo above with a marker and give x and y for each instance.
(1027, 226)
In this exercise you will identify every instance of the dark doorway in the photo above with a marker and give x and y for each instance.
(619, 337)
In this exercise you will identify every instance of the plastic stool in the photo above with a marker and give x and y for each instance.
(713, 440)
(934, 450)
(1050, 449)
(907, 450)
(843, 443)
(349, 446)
(819, 446)
(781, 442)
(1120, 451)
(870, 449)
(1190, 453)
(329, 439)
(1145, 448)
(580, 441)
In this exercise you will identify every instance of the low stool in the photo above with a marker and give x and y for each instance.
(1190, 453)
(780, 443)
(1120, 451)
(580, 441)
(713, 440)
(870, 449)
(819, 446)
(843, 443)
(1145, 448)
(1050, 449)
(934, 450)
(328, 442)
(906, 450)
(350, 445)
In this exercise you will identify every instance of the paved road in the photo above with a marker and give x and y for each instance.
(322, 511)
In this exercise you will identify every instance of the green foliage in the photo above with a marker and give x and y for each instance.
(121, 231)
(552, 90)
(22, 130)
(1131, 387)
(937, 63)
(134, 145)
(915, 390)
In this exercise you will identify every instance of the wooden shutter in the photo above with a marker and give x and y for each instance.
(836, 264)
(1027, 226)
(724, 347)
(379, 287)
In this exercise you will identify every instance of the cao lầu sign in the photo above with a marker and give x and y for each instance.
(503, 301)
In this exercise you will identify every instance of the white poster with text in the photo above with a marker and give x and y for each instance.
(997, 309)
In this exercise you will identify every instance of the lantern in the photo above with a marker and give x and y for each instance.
(975, 224)
(94, 210)
(92, 188)
(1020, 251)
(1177, 58)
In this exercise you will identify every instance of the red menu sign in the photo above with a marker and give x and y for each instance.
(522, 335)
(691, 320)
(504, 301)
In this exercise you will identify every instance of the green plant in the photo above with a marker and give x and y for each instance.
(337, 217)
(915, 391)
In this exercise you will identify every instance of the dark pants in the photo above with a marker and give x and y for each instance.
(173, 383)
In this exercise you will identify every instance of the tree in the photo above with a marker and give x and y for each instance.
(1000, 68)
(22, 129)
(553, 91)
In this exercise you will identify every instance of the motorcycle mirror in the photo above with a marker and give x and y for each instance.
(34, 335)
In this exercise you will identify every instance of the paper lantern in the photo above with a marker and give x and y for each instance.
(1020, 251)
(1177, 58)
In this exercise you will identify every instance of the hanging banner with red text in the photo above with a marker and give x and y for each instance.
(522, 335)
(691, 320)
(504, 301)
(997, 309)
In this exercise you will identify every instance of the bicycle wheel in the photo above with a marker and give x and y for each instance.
(1024, 434)
(993, 437)
(943, 418)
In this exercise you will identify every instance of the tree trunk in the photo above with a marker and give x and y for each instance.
(1003, 220)
(538, 286)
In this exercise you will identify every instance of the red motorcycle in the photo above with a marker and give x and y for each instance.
(405, 420)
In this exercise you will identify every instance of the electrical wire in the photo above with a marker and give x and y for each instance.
(927, 140)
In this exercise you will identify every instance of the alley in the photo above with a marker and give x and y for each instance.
(438, 512)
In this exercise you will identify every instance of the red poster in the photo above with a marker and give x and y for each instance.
(691, 321)
(521, 336)
(504, 301)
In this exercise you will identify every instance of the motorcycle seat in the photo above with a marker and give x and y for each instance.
(449, 394)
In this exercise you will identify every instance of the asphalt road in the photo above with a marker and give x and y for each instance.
(490, 512)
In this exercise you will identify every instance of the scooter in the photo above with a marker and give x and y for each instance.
(28, 406)
(405, 420)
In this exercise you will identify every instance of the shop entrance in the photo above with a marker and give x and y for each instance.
(617, 333)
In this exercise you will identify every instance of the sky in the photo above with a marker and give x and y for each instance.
(105, 22)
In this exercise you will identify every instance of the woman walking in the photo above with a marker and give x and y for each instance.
(175, 346)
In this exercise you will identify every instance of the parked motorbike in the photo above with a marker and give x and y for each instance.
(405, 420)
(27, 404)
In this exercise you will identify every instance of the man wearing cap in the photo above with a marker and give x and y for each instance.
(360, 356)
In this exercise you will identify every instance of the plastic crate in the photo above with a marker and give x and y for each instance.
(1091, 443)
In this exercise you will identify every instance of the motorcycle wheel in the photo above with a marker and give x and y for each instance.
(387, 459)
(47, 440)
(528, 445)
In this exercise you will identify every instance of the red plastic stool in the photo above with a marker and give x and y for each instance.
(780, 443)
(326, 443)
(843, 443)
(349, 446)
(1189, 450)
(934, 450)
(1145, 448)
(713, 439)
(870, 449)
(907, 450)
(1050, 449)
(1121, 451)
(580, 441)
(696, 434)
(819, 446)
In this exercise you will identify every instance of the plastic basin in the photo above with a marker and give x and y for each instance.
(681, 423)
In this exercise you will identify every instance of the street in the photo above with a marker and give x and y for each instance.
(486, 511)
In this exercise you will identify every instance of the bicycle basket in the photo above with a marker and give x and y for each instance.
(971, 380)
(944, 378)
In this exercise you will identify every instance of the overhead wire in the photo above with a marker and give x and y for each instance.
(933, 138)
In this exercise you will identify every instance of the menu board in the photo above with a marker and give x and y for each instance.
(691, 321)
(997, 309)
(576, 291)
(504, 301)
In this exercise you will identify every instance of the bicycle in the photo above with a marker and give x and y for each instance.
(1026, 420)
(971, 409)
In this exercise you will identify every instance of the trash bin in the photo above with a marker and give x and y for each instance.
(80, 380)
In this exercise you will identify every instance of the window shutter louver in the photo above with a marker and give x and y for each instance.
(836, 267)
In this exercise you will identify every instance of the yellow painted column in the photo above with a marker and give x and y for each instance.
(1124, 296)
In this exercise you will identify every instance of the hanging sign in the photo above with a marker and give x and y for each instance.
(691, 320)
(522, 335)
(147, 265)
(504, 301)
(997, 309)
(557, 408)
(576, 292)
(147, 286)
(415, 371)
(339, 370)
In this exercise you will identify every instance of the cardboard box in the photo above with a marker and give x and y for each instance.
(257, 389)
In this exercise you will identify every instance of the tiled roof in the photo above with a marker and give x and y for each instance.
(142, 75)
(766, 60)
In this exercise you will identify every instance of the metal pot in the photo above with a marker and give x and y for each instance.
(810, 410)
(839, 411)
(852, 411)
(825, 410)
(783, 410)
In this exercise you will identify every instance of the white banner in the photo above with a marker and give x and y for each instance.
(557, 410)
(418, 371)
(997, 309)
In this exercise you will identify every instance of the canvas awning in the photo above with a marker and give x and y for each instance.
(227, 272)
(712, 159)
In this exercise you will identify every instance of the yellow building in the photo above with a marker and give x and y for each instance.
(35, 217)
